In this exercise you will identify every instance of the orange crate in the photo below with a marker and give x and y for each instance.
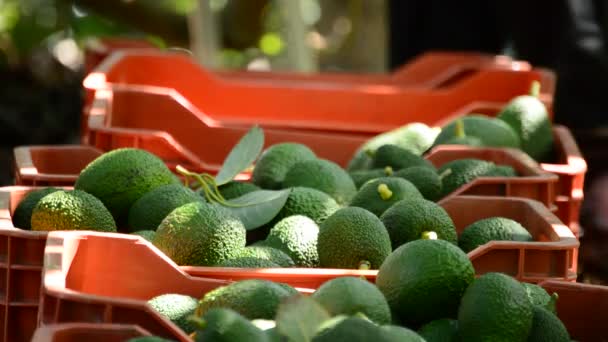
(52, 165)
(568, 164)
(129, 118)
(337, 106)
(583, 308)
(533, 183)
(89, 332)
(552, 256)
(84, 283)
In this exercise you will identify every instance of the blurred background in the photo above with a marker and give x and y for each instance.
(42, 60)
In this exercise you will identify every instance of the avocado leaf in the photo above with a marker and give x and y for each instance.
(257, 208)
(299, 318)
(244, 153)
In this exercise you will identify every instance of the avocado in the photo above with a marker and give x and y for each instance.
(120, 177)
(322, 175)
(397, 333)
(491, 131)
(312, 203)
(297, 237)
(538, 296)
(267, 253)
(546, 326)
(357, 329)
(441, 330)
(501, 171)
(71, 210)
(495, 307)
(528, 117)
(146, 234)
(352, 295)
(248, 262)
(380, 194)
(177, 308)
(235, 189)
(252, 298)
(459, 172)
(415, 137)
(423, 280)
(350, 237)
(492, 229)
(226, 325)
(200, 234)
(361, 177)
(461, 138)
(425, 179)
(407, 219)
(149, 211)
(22, 217)
(270, 170)
(398, 158)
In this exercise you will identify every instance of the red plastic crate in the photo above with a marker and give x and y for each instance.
(88, 332)
(21, 258)
(51, 165)
(84, 276)
(568, 164)
(583, 309)
(301, 104)
(130, 118)
(531, 182)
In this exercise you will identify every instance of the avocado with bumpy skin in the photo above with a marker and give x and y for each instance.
(322, 175)
(149, 211)
(200, 234)
(22, 217)
(381, 193)
(71, 210)
(491, 132)
(425, 179)
(495, 307)
(274, 163)
(492, 229)
(350, 237)
(120, 177)
(177, 308)
(352, 295)
(252, 298)
(398, 158)
(226, 325)
(407, 219)
(297, 237)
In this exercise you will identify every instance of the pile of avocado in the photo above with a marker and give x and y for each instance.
(330, 218)
(425, 290)
(523, 124)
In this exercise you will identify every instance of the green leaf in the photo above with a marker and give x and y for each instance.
(299, 318)
(242, 155)
(257, 208)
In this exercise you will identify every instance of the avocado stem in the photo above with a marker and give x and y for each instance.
(535, 89)
(428, 235)
(445, 173)
(384, 191)
(365, 265)
(388, 171)
(369, 152)
(460, 128)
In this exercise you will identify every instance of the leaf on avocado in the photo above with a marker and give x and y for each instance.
(257, 208)
(299, 318)
(244, 153)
